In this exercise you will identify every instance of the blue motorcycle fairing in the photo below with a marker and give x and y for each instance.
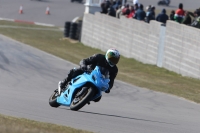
(95, 78)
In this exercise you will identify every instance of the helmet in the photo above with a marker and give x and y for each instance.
(112, 56)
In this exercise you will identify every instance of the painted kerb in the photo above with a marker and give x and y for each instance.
(175, 47)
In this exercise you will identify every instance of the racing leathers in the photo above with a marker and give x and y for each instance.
(90, 63)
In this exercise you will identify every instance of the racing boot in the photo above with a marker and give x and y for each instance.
(72, 73)
(63, 83)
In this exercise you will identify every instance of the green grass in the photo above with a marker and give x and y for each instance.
(130, 70)
(18, 125)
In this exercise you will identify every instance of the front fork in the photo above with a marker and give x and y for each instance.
(59, 89)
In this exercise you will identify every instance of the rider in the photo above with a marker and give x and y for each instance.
(108, 61)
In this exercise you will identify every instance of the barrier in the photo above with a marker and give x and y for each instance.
(47, 11)
(73, 30)
(20, 10)
(175, 47)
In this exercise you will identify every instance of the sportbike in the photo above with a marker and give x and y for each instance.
(82, 89)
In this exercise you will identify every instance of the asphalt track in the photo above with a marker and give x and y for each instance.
(29, 76)
(63, 10)
(34, 10)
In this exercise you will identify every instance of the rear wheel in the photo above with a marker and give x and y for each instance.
(53, 99)
(81, 99)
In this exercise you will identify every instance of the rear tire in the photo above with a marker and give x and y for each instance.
(84, 100)
(53, 99)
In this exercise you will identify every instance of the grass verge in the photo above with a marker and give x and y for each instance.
(130, 70)
(18, 125)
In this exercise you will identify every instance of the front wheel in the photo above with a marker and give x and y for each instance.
(80, 100)
(53, 99)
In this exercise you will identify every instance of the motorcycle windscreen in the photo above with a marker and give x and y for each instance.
(104, 78)
(105, 73)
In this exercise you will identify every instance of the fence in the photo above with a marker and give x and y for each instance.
(175, 47)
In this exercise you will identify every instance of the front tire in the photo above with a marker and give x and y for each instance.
(53, 99)
(79, 102)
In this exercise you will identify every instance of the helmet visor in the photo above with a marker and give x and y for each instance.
(113, 60)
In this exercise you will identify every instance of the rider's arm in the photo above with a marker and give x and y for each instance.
(91, 60)
(112, 78)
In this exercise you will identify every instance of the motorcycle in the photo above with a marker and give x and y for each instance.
(82, 89)
(164, 2)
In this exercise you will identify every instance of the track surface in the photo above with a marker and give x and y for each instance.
(34, 10)
(63, 10)
(29, 76)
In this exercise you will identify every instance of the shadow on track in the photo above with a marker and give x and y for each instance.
(117, 116)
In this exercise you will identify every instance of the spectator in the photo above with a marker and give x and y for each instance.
(126, 10)
(112, 11)
(172, 15)
(118, 12)
(108, 4)
(103, 8)
(116, 3)
(135, 7)
(162, 17)
(140, 13)
(187, 19)
(151, 15)
(196, 22)
(148, 8)
(153, 12)
(179, 14)
(132, 12)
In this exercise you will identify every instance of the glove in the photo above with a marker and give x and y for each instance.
(84, 68)
(108, 90)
